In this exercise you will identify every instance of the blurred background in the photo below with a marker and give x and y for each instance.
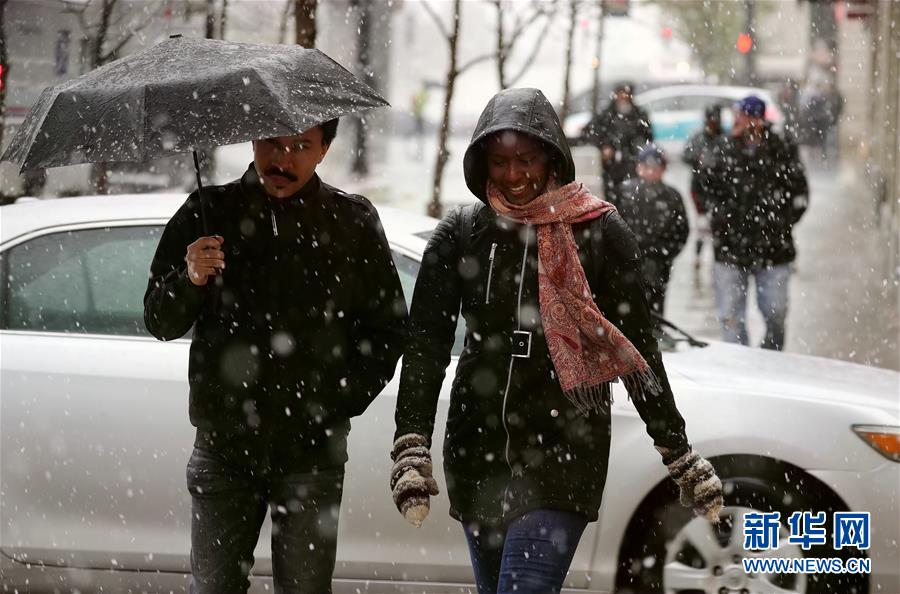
(828, 70)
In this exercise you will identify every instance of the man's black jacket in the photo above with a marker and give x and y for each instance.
(755, 194)
(626, 133)
(656, 214)
(301, 331)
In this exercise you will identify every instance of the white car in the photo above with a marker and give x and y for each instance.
(94, 438)
(676, 112)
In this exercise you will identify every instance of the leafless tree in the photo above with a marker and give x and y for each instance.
(364, 71)
(305, 22)
(285, 15)
(210, 32)
(595, 90)
(3, 72)
(573, 21)
(223, 19)
(507, 39)
(106, 31)
(451, 36)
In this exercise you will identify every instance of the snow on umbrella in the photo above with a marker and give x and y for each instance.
(185, 94)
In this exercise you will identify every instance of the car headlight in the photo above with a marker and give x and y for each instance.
(885, 439)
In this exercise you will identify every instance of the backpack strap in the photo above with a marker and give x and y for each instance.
(466, 220)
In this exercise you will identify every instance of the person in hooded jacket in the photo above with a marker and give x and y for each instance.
(548, 280)
(655, 212)
(298, 321)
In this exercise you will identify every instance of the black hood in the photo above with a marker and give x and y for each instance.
(522, 110)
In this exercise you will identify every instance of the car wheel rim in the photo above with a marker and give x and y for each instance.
(702, 558)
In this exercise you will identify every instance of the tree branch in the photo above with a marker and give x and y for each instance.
(104, 58)
(522, 25)
(436, 18)
(476, 60)
(534, 52)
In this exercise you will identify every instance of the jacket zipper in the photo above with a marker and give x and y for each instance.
(274, 223)
(511, 362)
(487, 294)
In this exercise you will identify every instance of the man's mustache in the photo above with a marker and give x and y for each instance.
(281, 172)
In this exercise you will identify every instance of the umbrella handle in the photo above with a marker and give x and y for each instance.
(203, 218)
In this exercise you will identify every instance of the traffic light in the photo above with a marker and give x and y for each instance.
(744, 43)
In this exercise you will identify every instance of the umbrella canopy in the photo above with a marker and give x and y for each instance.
(185, 94)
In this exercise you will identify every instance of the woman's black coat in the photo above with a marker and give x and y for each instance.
(513, 441)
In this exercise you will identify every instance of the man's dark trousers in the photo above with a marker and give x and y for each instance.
(230, 497)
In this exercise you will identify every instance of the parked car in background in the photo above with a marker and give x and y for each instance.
(94, 438)
(676, 112)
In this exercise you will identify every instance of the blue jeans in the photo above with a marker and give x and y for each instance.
(228, 505)
(530, 555)
(771, 295)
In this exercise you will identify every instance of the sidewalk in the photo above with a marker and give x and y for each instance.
(843, 299)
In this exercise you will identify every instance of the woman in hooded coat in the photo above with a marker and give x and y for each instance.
(547, 278)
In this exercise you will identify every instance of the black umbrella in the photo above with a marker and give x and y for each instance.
(185, 94)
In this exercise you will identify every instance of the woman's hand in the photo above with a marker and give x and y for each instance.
(701, 489)
(412, 482)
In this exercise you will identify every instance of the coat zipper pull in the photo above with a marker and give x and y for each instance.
(274, 224)
(487, 293)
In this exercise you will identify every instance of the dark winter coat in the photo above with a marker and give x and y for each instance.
(702, 152)
(303, 329)
(754, 196)
(513, 441)
(625, 133)
(655, 213)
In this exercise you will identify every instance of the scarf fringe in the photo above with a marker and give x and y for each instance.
(598, 398)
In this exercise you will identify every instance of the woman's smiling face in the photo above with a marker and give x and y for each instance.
(518, 165)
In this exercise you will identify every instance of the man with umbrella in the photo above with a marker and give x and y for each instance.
(297, 315)
(287, 284)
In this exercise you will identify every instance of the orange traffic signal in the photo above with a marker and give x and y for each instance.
(744, 43)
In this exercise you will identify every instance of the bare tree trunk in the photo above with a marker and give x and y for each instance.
(595, 91)
(207, 158)
(573, 14)
(364, 71)
(223, 19)
(99, 171)
(435, 209)
(210, 32)
(305, 22)
(106, 9)
(285, 15)
(501, 46)
(3, 72)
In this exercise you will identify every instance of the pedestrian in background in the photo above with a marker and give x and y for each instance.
(656, 214)
(754, 195)
(620, 132)
(530, 267)
(789, 104)
(701, 153)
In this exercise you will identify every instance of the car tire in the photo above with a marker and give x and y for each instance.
(668, 550)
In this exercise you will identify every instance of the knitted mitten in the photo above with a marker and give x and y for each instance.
(701, 489)
(412, 482)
